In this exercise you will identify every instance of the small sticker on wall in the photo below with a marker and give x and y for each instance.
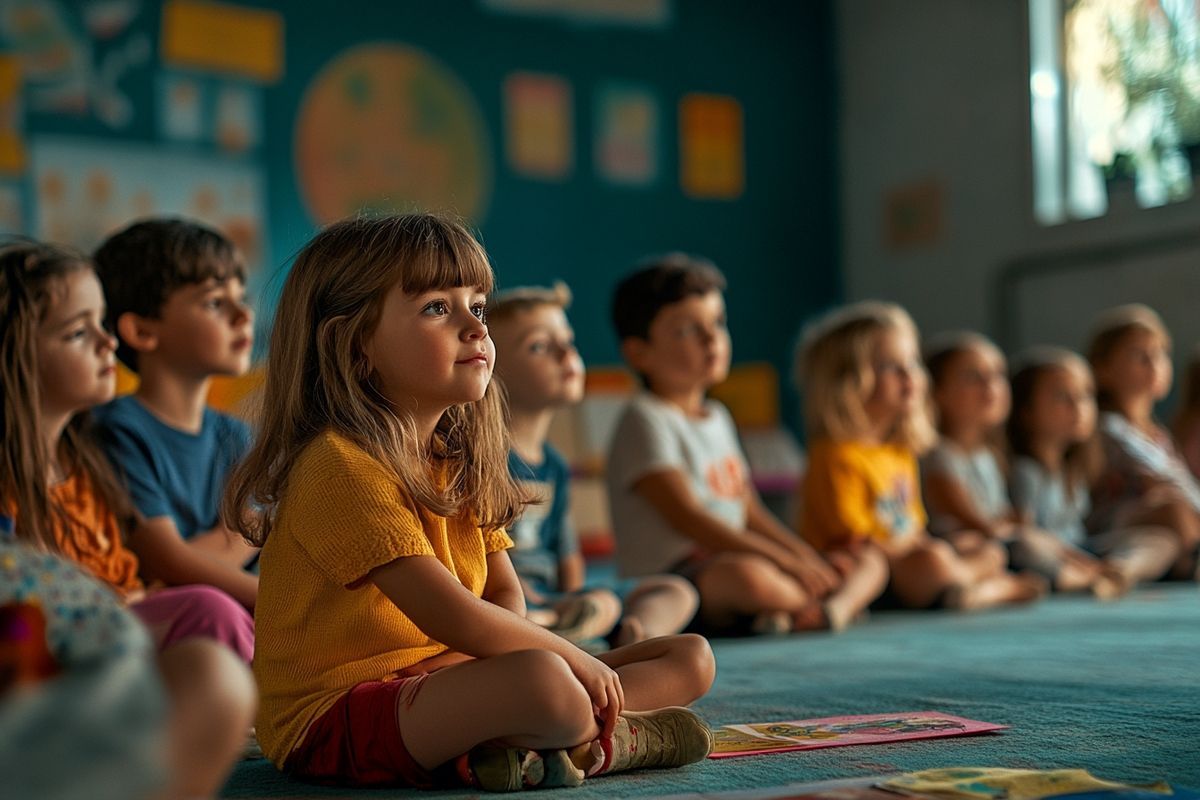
(627, 135)
(238, 124)
(711, 157)
(181, 108)
(913, 215)
(539, 131)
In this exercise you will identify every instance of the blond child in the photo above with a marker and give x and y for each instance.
(541, 372)
(1144, 481)
(392, 641)
(1055, 454)
(865, 412)
(63, 499)
(176, 301)
(678, 483)
(965, 484)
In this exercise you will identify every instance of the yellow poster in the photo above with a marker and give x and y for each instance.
(223, 38)
(711, 147)
(540, 134)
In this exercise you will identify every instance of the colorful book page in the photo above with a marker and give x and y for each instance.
(986, 783)
(812, 734)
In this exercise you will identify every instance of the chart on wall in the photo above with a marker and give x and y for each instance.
(385, 127)
(86, 189)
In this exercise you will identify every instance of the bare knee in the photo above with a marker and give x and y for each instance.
(213, 699)
(751, 583)
(546, 687)
(679, 592)
(693, 665)
(211, 676)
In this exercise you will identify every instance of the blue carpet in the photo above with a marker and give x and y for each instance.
(1113, 688)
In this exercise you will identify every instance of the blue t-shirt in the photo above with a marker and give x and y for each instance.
(543, 535)
(170, 472)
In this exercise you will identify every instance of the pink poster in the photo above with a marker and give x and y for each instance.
(812, 734)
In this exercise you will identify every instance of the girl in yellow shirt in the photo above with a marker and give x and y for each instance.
(392, 645)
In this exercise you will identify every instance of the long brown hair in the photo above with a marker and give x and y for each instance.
(31, 274)
(1083, 461)
(1110, 331)
(319, 379)
(939, 354)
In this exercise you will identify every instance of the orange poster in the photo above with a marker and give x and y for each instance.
(711, 147)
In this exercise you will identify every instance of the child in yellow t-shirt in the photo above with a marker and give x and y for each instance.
(392, 644)
(865, 411)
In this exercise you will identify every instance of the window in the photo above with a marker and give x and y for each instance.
(1114, 103)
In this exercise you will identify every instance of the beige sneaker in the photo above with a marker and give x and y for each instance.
(666, 737)
(495, 768)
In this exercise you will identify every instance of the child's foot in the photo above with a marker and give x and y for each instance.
(1024, 587)
(496, 768)
(629, 631)
(587, 616)
(666, 737)
(772, 623)
(1110, 584)
(250, 749)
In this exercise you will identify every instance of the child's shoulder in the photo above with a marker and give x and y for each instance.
(331, 454)
(124, 410)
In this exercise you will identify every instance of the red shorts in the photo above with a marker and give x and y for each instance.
(357, 742)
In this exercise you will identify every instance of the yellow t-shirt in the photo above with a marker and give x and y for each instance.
(321, 628)
(854, 490)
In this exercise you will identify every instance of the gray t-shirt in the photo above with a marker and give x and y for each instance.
(979, 474)
(1046, 500)
(653, 436)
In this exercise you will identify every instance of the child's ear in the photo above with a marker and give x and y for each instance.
(138, 332)
(634, 351)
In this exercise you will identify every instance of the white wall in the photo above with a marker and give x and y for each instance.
(939, 89)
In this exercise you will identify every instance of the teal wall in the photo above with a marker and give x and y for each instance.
(777, 243)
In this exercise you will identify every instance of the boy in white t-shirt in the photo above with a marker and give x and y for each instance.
(679, 487)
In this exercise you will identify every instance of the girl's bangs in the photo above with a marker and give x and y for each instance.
(446, 265)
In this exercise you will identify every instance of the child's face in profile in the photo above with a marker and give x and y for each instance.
(899, 379)
(75, 354)
(687, 347)
(1139, 366)
(537, 360)
(207, 328)
(1062, 405)
(973, 391)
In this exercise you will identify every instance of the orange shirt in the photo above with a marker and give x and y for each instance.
(89, 534)
(855, 490)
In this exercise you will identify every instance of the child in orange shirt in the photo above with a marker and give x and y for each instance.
(56, 485)
(392, 641)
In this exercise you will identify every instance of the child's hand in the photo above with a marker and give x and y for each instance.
(817, 577)
(603, 686)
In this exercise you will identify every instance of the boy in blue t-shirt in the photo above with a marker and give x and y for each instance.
(176, 300)
(541, 371)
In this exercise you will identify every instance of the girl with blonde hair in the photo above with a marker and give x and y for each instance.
(865, 409)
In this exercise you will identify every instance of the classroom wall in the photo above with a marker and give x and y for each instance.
(935, 93)
(775, 236)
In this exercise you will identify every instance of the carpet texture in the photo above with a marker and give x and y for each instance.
(1113, 688)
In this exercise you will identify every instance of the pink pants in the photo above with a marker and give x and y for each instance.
(181, 612)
